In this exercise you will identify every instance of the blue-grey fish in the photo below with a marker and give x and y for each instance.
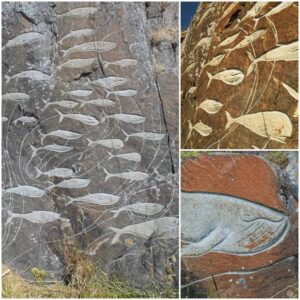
(85, 119)
(15, 97)
(23, 39)
(220, 223)
(76, 183)
(131, 175)
(40, 217)
(127, 118)
(56, 172)
(25, 190)
(98, 198)
(147, 209)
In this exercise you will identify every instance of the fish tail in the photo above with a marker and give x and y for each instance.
(43, 137)
(38, 172)
(11, 215)
(117, 232)
(190, 125)
(82, 102)
(103, 119)
(7, 78)
(71, 201)
(115, 212)
(61, 116)
(251, 66)
(210, 77)
(107, 174)
(230, 120)
(110, 155)
(34, 150)
(90, 142)
(126, 134)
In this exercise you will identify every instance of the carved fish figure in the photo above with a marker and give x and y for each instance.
(204, 41)
(98, 198)
(152, 136)
(214, 62)
(290, 90)
(127, 118)
(254, 10)
(133, 156)
(25, 120)
(25, 190)
(77, 34)
(131, 175)
(200, 127)
(65, 134)
(63, 103)
(231, 77)
(79, 93)
(78, 63)
(52, 147)
(56, 172)
(126, 62)
(97, 46)
(123, 93)
(40, 217)
(88, 120)
(221, 223)
(15, 97)
(109, 143)
(80, 12)
(282, 53)
(274, 125)
(109, 82)
(166, 227)
(210, 106)
(229, 40)
(97, 102)
(31, 74)
(23, 39)
(72, 184)
(148, 209)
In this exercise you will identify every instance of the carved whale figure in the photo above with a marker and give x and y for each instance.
(221, 223)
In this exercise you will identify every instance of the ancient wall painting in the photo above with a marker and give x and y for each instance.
(90, 144)
(239, 224)
(240, 76)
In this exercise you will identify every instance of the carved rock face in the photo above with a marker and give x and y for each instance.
(244, 58)
(90, 137)
(239, 238)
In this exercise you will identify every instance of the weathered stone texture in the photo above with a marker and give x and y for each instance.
(272, 271)
(234, 37)
(141, 256)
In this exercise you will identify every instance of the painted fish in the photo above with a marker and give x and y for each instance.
(90, 47)
(78, 34)
(80, 12)
(123, 93)
(133, 156)
(109, 143)
(75, 183)
(127, 118)
(229, 40)
(152, 136)
(40, 217)
(56, 172)
(25, 190)
(65, 134)
(15, 97)
(79, 93)
(203, 42)
(88, 120)
(97, 102)
(287, 52)
(98, 198)
(254, 10)
(31, 74)
(148, 209)
(166, 227)
(220, 223)
(201, 128)
(25, 120)
(24, 39)
(63, 103)
(274, 125)
(52, 147)
(214, 62)
(210, 106)
(131, 175)
(126, 62)
(77, 63)
(231, 77)
(290, 90)
(109, 82)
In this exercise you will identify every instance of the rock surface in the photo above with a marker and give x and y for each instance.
(254, 86)
(265, 264)
(57, 54)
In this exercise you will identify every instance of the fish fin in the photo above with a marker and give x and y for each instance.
(11, 215)
(7, 78)
(107, 174)
(71, 201)
(90, 142)
(230, 120)
(61, 116)
(251, 66)
(117, 232)
(43, 136)
(34, 150)
(210, 77)
(126, 134)
(110, 155)
(38, 172)
(82, 102)
(103, 119)
(115, 212)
